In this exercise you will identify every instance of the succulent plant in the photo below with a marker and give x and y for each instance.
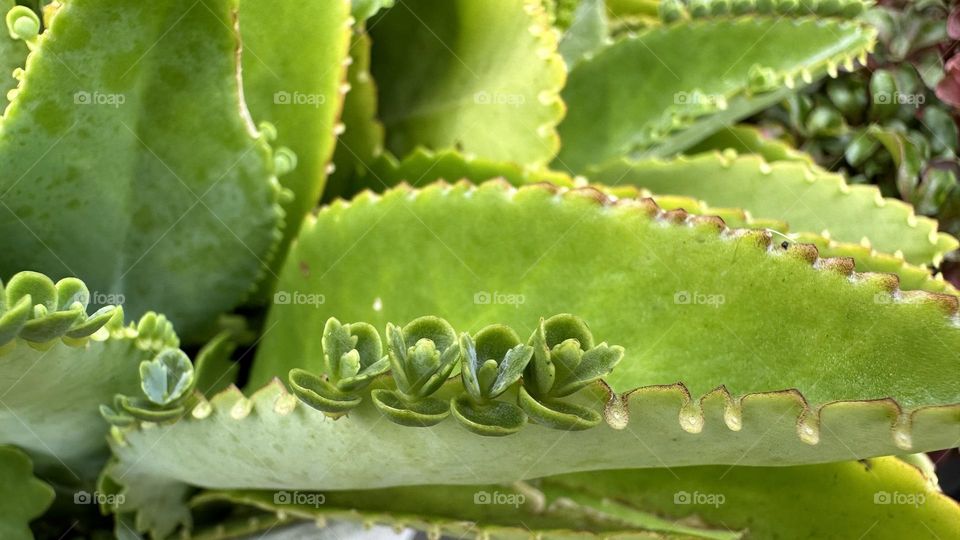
(453, 177)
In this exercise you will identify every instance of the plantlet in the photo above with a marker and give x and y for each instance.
(506, 268)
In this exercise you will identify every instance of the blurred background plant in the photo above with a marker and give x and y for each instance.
(894, 122)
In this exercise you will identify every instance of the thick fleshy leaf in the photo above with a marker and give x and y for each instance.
(482, 76)
(513, 512)
(807, 197)
(730, 290)
(660, 99)
(51, 391)
(13, 54)
(361, 142)
(749, 139)
(299, 90)
(294, 444)
(876, 498)
(177, 184)
(22, 496)
(587, 34)
(165, 378)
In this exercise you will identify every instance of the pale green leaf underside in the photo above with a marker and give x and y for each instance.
(870, 499)
(13, 53)
(648, 81)
(129, 159)
(22, 496)
(281, 444)
(755, 318)
(837, 500)
(297, 89)
(50, 393)
(521, 510)
(807, 197)
(482, 76)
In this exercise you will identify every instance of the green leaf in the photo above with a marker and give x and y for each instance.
(839, 335)
(422, 167)
(659, 99)
(495, 511)
(588, 32)
(492, 419)
(215, 371)
(176, 183)
(294, 444)
(361, 142)
(13, 54)
(748, 139)
(22, 496)
(51, 391)
(167, 377)
(807, 197)
(481, 76)
(299, 90)
(881, 498)
(364, 9)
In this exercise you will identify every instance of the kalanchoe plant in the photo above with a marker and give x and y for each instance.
(491, 164)
(422, 355)
(352, 357)
(565, 360)
(493, 360)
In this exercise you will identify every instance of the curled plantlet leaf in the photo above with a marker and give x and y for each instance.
(167, 381)
(492, 362)
(23, 23)
(167, 378)
(352, 358)
(35, 309)
(565, 361)
(353, 354)
(418, 370)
